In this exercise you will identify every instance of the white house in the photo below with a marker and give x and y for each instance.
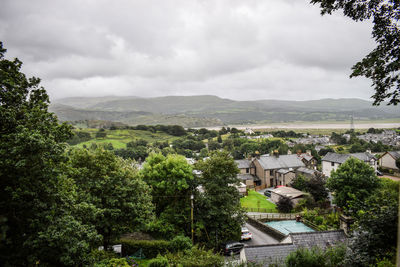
(331, 161)
(388, 160)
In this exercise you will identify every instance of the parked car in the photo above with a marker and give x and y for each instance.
(233, 248)
(267, 193)
(246, 235)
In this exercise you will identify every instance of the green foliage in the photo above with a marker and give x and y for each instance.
(284, 204)
(218, 215)
(323, 220)
(150, 248)
(195, 257)
(376, 223)
(172, 182)
(352, 181)
(36, 200)
(380, 65)
(111, 195)
(160, 261)
(181, 243)
(316, 257)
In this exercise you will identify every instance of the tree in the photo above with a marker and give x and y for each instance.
(353, 181)
(398, 163)
(376, 226)
(172, 182)
(381, 64)
(35, 197)
(113, 197)
(284, 204)
(218, 215)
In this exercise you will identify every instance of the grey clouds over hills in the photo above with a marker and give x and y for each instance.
(208, 110)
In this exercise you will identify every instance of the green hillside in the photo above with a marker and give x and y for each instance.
(207, 110)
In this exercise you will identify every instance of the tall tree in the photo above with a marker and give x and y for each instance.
(218, 215)
(35, 197)
(111, 194)
(353, 181)
(381, 65)
(172, 182)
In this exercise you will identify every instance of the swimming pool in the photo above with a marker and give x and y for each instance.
(289, 226)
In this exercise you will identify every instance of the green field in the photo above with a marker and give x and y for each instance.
(119, 138)
(256, 200)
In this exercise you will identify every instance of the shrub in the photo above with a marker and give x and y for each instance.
(181, 242)
(284, 204)
(306, 257)
(160, 261)
(150, 248)
(195, 257)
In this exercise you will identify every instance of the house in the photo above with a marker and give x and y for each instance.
(331, 161)
(247, 173)
(245, 166)
(308, 160)
(270, 254)
(307, 172)
(388, 160)
(290, 192)
(272, 170)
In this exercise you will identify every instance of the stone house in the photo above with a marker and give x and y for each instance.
(276, 169)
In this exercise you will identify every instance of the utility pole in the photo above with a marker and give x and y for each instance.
(191, 216)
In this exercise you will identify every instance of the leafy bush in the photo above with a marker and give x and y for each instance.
(160, 261)
(195, 257)
(306, 257)
(150, 248)
(284, 204)
(181, 242)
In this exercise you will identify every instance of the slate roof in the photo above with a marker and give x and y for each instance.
(283, 171)
(243, 163)
(306, 170)
(306, 156)
(267, 254)
(247, 176)
(394, 154)
(340, 158)
(281, 162)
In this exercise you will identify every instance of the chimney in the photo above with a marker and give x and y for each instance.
(289, 152)
(276, 153)
(368, 151)
(308, 152)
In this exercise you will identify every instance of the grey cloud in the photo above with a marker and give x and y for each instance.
(236, 49)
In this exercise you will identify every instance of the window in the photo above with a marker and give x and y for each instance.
(247, 170)
(271, 172)
(332, 164)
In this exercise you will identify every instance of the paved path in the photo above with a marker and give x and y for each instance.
(259, 238)
(394, 178)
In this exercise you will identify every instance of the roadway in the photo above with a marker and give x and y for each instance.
(259, 238)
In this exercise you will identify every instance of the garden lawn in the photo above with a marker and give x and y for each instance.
(256, 200)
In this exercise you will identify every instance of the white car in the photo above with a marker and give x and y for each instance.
(246, 235)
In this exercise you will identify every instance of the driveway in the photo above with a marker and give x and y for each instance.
(259, 237)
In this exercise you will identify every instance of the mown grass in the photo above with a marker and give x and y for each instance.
(119, 138)
(256, 200)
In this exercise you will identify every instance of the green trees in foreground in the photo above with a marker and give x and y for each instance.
(56, 208)
(352, 181)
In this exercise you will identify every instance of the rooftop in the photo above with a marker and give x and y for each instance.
(340, 158)
(280, 162)
(268, 254)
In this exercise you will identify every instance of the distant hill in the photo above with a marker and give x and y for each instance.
(208, 110)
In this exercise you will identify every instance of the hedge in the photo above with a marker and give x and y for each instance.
(150, 248)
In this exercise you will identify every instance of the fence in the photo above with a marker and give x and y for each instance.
(259, 187)
(274, 216)
(261, 210)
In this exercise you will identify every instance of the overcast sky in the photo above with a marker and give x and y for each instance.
(243, 50)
